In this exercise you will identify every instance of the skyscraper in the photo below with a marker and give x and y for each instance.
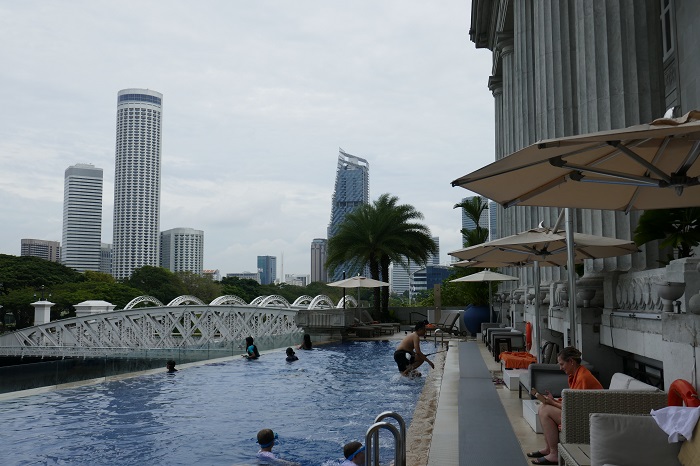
(267, 268)
(137, 181)
(351, 191)
(82, 217)
(106, 258)
(47, 250)
(404, 279)
(318, 260)
(182, 250)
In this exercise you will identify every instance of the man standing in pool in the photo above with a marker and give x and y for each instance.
(408, 355)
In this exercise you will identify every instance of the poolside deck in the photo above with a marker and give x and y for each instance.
(478, 421)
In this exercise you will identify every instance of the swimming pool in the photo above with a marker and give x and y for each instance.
(210, 414)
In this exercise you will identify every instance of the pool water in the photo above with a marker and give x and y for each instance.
(210, 414)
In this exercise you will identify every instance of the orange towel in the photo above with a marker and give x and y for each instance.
(516, 359)
(582, 379)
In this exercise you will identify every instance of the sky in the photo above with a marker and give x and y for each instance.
(257, 99)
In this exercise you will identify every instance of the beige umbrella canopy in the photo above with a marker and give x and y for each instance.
(486, 276)
(544, 246)
(358, 282)
(649, 166)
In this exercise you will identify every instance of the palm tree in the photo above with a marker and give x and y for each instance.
(376, 235)
(474, 209)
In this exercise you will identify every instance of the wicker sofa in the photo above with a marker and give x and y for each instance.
(578, 405)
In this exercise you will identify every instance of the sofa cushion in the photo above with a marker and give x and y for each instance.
(622, 381)
(630, 439)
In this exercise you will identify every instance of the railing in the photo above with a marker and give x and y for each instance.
(372, 439)
(200, 326)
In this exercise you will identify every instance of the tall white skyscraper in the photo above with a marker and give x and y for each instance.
(82, 217)
(136, 239)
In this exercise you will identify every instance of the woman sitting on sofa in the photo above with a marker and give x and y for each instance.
(580, 378)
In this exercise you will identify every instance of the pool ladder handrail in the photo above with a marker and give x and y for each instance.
(372, 439)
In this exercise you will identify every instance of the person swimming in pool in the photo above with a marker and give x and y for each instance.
(250, 349)
(354, 453)
(306, 344)
(408, 355)
(291, 356)
(266, 439)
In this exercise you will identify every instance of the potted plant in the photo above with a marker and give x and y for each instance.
(678, 229)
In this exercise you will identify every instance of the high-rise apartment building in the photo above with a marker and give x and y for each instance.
(82, 217)
(319, 248)
(351, 191)
(267, 268)
(405, 279)
(137, 181)
(47, 250)
(182, 250)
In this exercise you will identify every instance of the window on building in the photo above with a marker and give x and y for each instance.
(668, 30)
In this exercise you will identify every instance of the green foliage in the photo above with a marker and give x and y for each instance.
(676, 228)
(473, 209)
(22, 277)
(202, 287)
(25, 271)
(157, 282)
(377, 235)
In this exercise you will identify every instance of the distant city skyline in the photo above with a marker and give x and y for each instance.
(250, 129)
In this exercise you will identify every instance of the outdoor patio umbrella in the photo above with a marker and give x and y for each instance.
(486, 276)
(648, 166)
(541, 246)
(358, 282)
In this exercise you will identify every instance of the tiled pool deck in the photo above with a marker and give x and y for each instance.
(447, 437)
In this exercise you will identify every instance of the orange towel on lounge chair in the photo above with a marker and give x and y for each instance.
(516, 359)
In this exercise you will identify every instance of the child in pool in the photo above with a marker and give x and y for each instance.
(250, 349)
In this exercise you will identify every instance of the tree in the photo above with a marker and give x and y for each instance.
(677, 228)
(473, 209)
(158, 282)
(377, 235)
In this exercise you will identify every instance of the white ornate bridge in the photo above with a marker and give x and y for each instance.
(185, 322)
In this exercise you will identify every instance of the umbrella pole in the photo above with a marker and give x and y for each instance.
(490, 305)
(572, 275)
(537, 310)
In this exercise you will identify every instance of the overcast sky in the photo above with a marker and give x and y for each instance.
(257, 98)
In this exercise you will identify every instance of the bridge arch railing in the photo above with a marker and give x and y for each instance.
(142, 299)
(163, 327)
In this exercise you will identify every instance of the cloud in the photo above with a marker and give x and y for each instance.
(258, 96)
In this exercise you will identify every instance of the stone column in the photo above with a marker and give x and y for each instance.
(42, 312)
(619, 76)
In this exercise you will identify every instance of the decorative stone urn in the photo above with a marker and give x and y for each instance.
(586, 295)
(669, 292)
